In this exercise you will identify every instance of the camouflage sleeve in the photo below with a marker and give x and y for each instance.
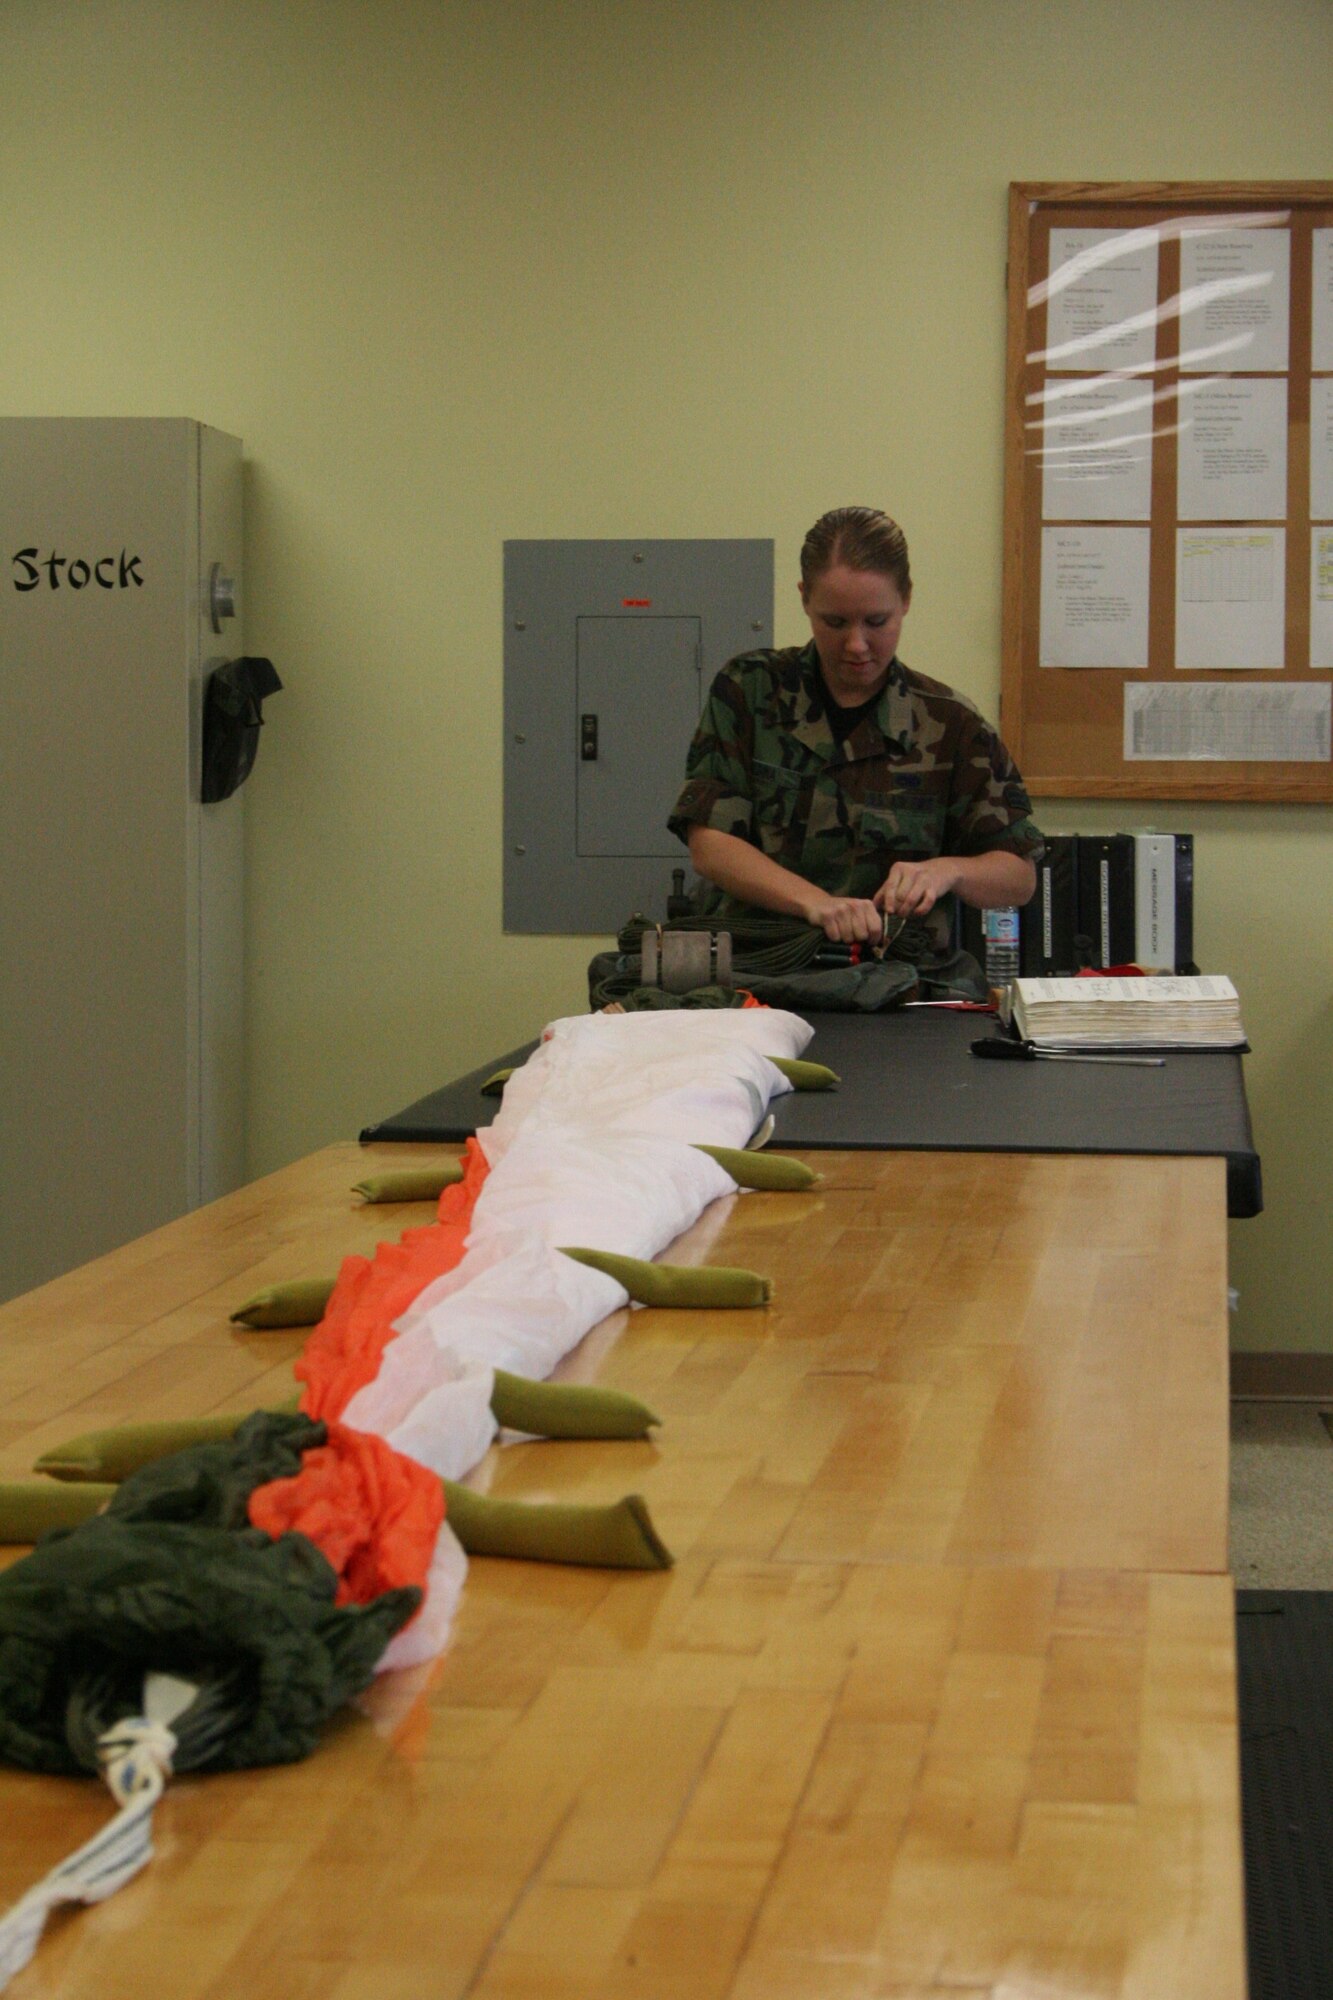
(990, 807)
(718, 788)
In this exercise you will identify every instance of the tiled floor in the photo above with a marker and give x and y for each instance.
(1281, 1497)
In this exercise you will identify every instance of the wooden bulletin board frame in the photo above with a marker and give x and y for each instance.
(1066, 725)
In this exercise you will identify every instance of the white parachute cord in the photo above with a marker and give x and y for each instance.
(135, 1759)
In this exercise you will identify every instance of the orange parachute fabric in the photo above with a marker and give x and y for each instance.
(345, 1349)
(374, 1513)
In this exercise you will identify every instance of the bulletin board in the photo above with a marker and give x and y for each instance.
(1168, 578)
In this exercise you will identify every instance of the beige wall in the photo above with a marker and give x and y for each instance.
(458, 272)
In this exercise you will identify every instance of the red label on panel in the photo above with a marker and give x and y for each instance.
(636, 603)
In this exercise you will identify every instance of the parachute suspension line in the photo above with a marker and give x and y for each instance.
(134, 1756)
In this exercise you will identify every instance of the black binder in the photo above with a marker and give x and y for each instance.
(1048, 925)
(1106, 896)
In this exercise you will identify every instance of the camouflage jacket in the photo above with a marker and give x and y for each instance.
(922, 774)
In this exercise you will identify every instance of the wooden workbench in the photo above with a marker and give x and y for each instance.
(938, 1699)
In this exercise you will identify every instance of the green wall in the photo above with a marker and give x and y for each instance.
(462, 271)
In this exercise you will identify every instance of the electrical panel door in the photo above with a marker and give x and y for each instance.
(639, 700)
(610, 649)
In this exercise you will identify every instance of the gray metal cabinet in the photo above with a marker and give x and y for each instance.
(121, 896)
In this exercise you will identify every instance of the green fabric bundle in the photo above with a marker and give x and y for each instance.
(803, 1075)
(785, 962)
(678, 1284)
(567, 1409)
(118, 1453)
(616, 1537)
(542, 1409)
(629, 998)
(30, 1508)
(300, 1302)
(776, 1172)
(124, 1449)
(170, 1579)
(215, 1474)
(410, 1183)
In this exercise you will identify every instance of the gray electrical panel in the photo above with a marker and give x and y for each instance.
(121, 945)
(610, 648)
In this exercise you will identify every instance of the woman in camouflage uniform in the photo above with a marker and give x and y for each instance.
(831, 782)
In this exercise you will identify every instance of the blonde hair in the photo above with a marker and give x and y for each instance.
(857, 538)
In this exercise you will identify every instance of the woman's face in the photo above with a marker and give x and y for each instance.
(856, 616)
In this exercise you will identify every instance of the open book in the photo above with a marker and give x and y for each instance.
(1169, 1012)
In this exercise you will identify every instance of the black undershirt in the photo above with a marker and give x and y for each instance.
(842, 721)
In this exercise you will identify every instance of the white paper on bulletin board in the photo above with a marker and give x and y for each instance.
(1227, 722)
(1094, 597)
(1230, 599)
(1101, 299)
(1235, 290)
(1095, 445)
(1321, 598)
(1232, 462)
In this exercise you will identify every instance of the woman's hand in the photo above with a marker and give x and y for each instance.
(844, 919)
(744, 871)
(987, 881)
(911, 888)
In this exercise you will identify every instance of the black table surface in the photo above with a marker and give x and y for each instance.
(908, 1083)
